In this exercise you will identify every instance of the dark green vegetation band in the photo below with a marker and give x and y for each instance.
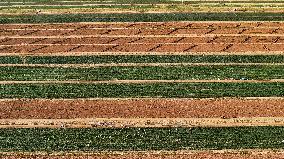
(95, 59)
(140, 17)
(163, 90)
(142, 73)
(141, 139)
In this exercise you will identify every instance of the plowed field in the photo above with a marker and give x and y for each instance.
(143, 38)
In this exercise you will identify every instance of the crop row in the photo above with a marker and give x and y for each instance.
(140, 17)
(141, 139)
(96, 59)
(142, 73)
(163, 90)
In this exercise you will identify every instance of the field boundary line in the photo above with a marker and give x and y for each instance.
(138, 65)
(141, 122)
(144, 98)
(139, 81)
(136, 28)
(150, 152)
(62, 54)
(114, 44)
(201, 22)
(144, 36)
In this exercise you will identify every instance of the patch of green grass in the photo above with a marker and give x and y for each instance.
(164, 90)
(10, 60)
(140, 139)
(142, 73)
(140, 17)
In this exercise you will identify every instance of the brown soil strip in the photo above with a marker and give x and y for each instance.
(138, 65)
(181, 154)
(255, 23)
(146, 48)
(140, 122)
(139, 36)
(159, 44)
(140, 81)
(141, 53)
(223, 108)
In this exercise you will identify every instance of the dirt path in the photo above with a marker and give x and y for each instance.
(3, 36)
(184, 154)
(223, 108)
(141, 53)
(140, 122)
(114, 44)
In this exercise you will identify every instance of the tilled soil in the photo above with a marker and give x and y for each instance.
(184, 37)
(140, 108)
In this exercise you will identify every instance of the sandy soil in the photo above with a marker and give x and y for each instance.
(140, 108)
(140, 122)
(224, 154)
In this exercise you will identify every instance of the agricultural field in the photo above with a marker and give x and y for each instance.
(143, 79)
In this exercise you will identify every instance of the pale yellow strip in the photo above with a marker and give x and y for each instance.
(140, 122)
(150, 152)
(142, 53)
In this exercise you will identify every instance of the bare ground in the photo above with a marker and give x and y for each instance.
(139, 122)
(141, 108)
(214, 154)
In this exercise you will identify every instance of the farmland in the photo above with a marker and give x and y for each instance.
(141, 79)
(141, 139)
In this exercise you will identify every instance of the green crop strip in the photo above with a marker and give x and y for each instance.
(87, 140)
(97, 59)
(153, 59)
(10, 60)
(163, 90)
(143, 73)
(140, 17)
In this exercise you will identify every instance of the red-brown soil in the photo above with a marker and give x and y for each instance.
(188, 37)
(140, 108)
(174, 48)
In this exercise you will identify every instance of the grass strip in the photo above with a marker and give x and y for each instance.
(142, 73)
(153, 59)
(48, 140)
(140, 17)
(163, 90)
